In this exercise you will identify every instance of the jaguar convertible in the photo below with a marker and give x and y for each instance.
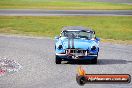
(76, 43)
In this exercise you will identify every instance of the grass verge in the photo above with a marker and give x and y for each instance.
(106, 27)
(61, 4)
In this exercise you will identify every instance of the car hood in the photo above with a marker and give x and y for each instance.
(78, 43)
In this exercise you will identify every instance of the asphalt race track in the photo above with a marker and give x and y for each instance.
(36, 55)
(41, 12)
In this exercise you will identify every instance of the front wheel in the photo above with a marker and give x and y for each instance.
(94, 61)
(57, 60)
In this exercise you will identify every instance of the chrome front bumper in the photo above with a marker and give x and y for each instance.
(70, 57)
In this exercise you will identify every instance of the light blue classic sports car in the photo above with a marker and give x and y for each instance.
(76, 43)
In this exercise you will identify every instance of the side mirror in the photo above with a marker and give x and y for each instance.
(98, 39)
(57, 37)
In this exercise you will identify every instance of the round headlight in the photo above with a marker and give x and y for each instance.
(93, 48)
(60, 47)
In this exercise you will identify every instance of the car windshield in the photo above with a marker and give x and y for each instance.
(78, 34)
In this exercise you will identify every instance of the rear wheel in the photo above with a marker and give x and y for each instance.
(57, 60)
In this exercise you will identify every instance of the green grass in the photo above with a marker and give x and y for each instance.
(106, 27)
(61, 4)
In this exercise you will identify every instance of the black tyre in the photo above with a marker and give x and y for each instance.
(58, 60)
(94, 61)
